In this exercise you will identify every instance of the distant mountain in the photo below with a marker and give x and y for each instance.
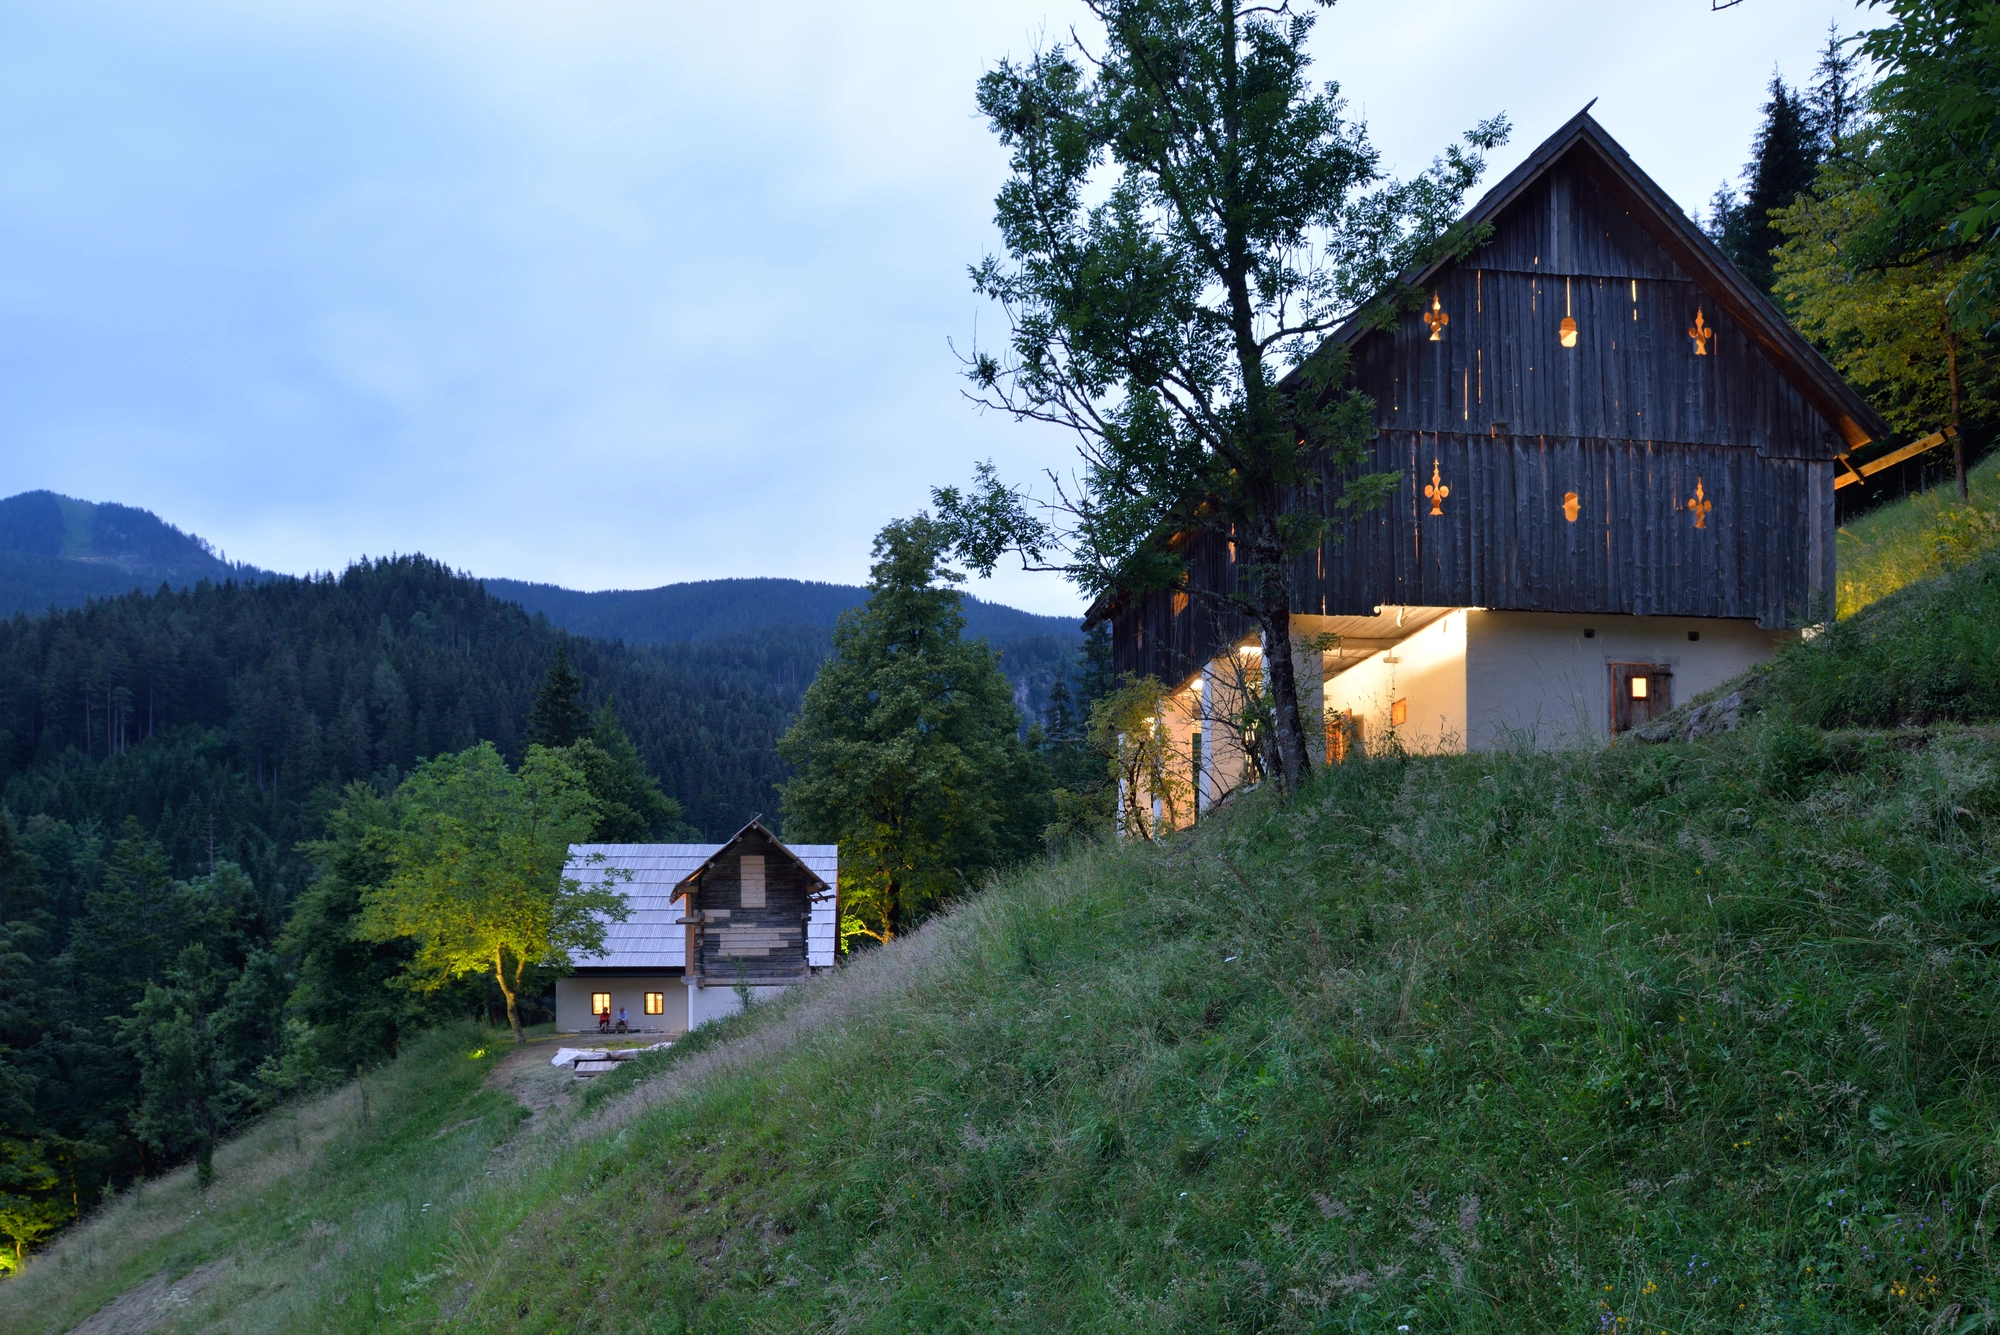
(712, 609)
(757, 616)
(56, 551)
(59, 552)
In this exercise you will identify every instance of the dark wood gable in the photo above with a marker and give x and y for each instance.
(1674, 458)
(732, 937)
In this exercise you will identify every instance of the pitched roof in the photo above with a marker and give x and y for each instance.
(758, 825)
(1586, 142)
(652, 937)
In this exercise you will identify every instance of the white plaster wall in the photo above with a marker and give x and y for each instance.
(573, 1002)
(712, 1003)
(1225, 682)
(1429, 670)
(1533, 678)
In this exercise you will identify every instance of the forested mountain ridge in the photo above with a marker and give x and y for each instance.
(217, 716)
(56, 551)
(711, 608)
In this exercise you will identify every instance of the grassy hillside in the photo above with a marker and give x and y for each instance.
(1681, 1038)
(1896, 545)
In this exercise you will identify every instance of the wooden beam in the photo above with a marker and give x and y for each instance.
(1891, 459)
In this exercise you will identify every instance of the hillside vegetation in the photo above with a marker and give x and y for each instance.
(1896, 545)
(1695, 1037)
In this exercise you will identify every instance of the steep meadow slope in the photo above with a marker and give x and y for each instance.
(1691, 1037)
(1683, 1038)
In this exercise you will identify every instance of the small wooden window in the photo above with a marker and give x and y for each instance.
(1399, 713)
(1640, 693)
(656, 1003)
(600, 1003)
(750, 868)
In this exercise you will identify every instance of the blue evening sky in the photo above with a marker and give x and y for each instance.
(613, 293)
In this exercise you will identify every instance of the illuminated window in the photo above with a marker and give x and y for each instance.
(1399, 713)
(1638, 688)
(750, 867)
(656, 1003)
(600, 1003)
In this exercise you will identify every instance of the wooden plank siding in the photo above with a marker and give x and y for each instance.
(1630, 419)
(731, 942)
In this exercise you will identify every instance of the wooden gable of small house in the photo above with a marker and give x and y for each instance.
(1590, 412)
(749, 906)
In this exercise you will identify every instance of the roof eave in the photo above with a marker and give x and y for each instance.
(686, 882)
(1676, 233)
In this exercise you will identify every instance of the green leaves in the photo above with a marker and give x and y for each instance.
(1939, 183)
(476, 856)
(1187, 219)
(906, 747)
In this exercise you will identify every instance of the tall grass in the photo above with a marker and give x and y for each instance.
(1925, 653)
(1897, 545)
(1684, 1039)
(1691, 1038)
(312, 1211)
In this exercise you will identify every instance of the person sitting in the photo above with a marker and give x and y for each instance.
(604, 1021)
(621, 1020)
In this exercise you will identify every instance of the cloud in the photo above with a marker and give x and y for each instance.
(613, 293)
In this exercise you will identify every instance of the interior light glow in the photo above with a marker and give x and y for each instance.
(1638, 688)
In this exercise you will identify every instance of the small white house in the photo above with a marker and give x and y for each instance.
(643, 969)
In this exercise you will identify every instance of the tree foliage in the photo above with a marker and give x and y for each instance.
(1243, 217)
(907, 748)
(559, 718)
(1783, 158)
(1937, 178)
(1889, 329)
(476, 859)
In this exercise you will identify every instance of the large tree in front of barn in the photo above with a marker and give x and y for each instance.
(1241, 217)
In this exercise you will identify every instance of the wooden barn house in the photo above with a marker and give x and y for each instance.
(1618, 467)
(702, 919)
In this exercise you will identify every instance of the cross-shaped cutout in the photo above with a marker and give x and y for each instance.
(1700, 505)
(1436, 318)
(1701, 332)
(1570, 506)
(1436, 491)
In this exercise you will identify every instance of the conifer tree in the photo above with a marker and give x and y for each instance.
(907, 746)
(1836, 98)
(630, 806)
(1783, 159)
(559, 717)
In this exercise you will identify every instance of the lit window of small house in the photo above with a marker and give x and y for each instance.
(656, 1003)
(751, 869)
(600, 1003)
(1638, 688)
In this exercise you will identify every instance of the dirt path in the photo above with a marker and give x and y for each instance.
(526, 1074)
(146, 1307)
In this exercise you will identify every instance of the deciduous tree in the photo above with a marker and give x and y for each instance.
(476, 860)
(1186, 218)
(1888, 328)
